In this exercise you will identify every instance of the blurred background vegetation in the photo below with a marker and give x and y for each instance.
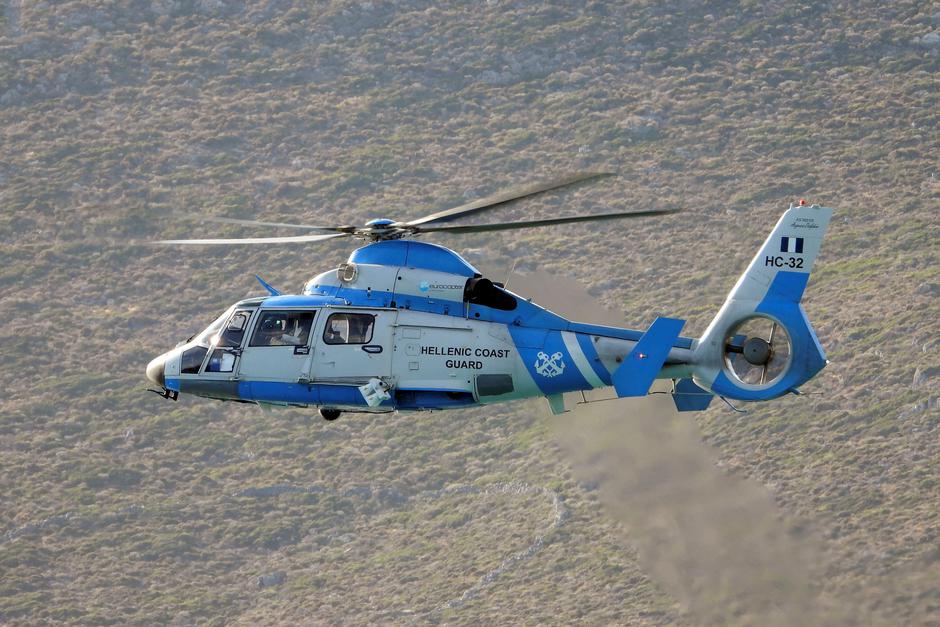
(120, 118)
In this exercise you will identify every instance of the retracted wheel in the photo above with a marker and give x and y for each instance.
(329, 414)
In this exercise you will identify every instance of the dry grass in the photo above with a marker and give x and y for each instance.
(117, 119)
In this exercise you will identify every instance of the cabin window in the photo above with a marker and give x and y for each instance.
(192, 359)
(221, 360)
(234, 331)
(349, 328)
(283, 328)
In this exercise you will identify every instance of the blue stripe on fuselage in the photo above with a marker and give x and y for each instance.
(345, 395)
(526, 314)
(306, 394)
(587, 347)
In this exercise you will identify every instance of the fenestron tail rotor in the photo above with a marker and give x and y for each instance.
(384, 229)
(757, 351)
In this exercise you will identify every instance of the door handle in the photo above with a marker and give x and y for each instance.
(373, 349)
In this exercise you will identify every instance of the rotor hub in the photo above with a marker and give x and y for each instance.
(757, 351)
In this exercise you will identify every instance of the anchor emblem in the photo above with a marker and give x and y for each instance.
(549, 366)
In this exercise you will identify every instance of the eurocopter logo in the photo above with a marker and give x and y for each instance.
(549, 366)
(424, 286)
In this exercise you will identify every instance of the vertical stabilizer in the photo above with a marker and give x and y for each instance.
(792, 248)
(761, 345)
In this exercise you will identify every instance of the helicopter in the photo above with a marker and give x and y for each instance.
(406, 325)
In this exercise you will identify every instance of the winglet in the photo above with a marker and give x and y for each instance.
(637, 372)
(272, 291)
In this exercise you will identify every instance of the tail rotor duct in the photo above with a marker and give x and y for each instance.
(757, 351)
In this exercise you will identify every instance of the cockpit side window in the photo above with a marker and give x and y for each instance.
(234, 330)
(283, 328)
(349, 328)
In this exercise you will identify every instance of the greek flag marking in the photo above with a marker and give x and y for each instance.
(791, 245)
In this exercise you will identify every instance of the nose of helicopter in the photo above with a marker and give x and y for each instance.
(155, 370)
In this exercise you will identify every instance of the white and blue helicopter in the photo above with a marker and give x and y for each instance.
(408, 326)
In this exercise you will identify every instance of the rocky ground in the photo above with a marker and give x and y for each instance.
(119, 120)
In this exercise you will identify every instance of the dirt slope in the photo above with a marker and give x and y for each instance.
(118, 119)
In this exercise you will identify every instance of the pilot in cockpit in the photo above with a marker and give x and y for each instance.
(274, 332)
(295, 335)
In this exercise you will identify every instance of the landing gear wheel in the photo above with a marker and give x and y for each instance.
(329, 414)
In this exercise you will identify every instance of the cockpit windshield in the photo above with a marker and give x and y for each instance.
(206, 337)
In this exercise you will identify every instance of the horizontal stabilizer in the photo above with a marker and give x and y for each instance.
(637, 372)
(689, 397)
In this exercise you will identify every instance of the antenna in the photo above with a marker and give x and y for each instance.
(509, 275)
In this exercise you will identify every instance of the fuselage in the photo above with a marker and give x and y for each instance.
(414, 316)
(410, 325)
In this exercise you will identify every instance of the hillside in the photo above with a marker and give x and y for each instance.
(121, 119)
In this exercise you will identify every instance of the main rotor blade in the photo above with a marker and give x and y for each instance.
(526, 224)
(505, 197)
(255, 240)
(259, 223)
